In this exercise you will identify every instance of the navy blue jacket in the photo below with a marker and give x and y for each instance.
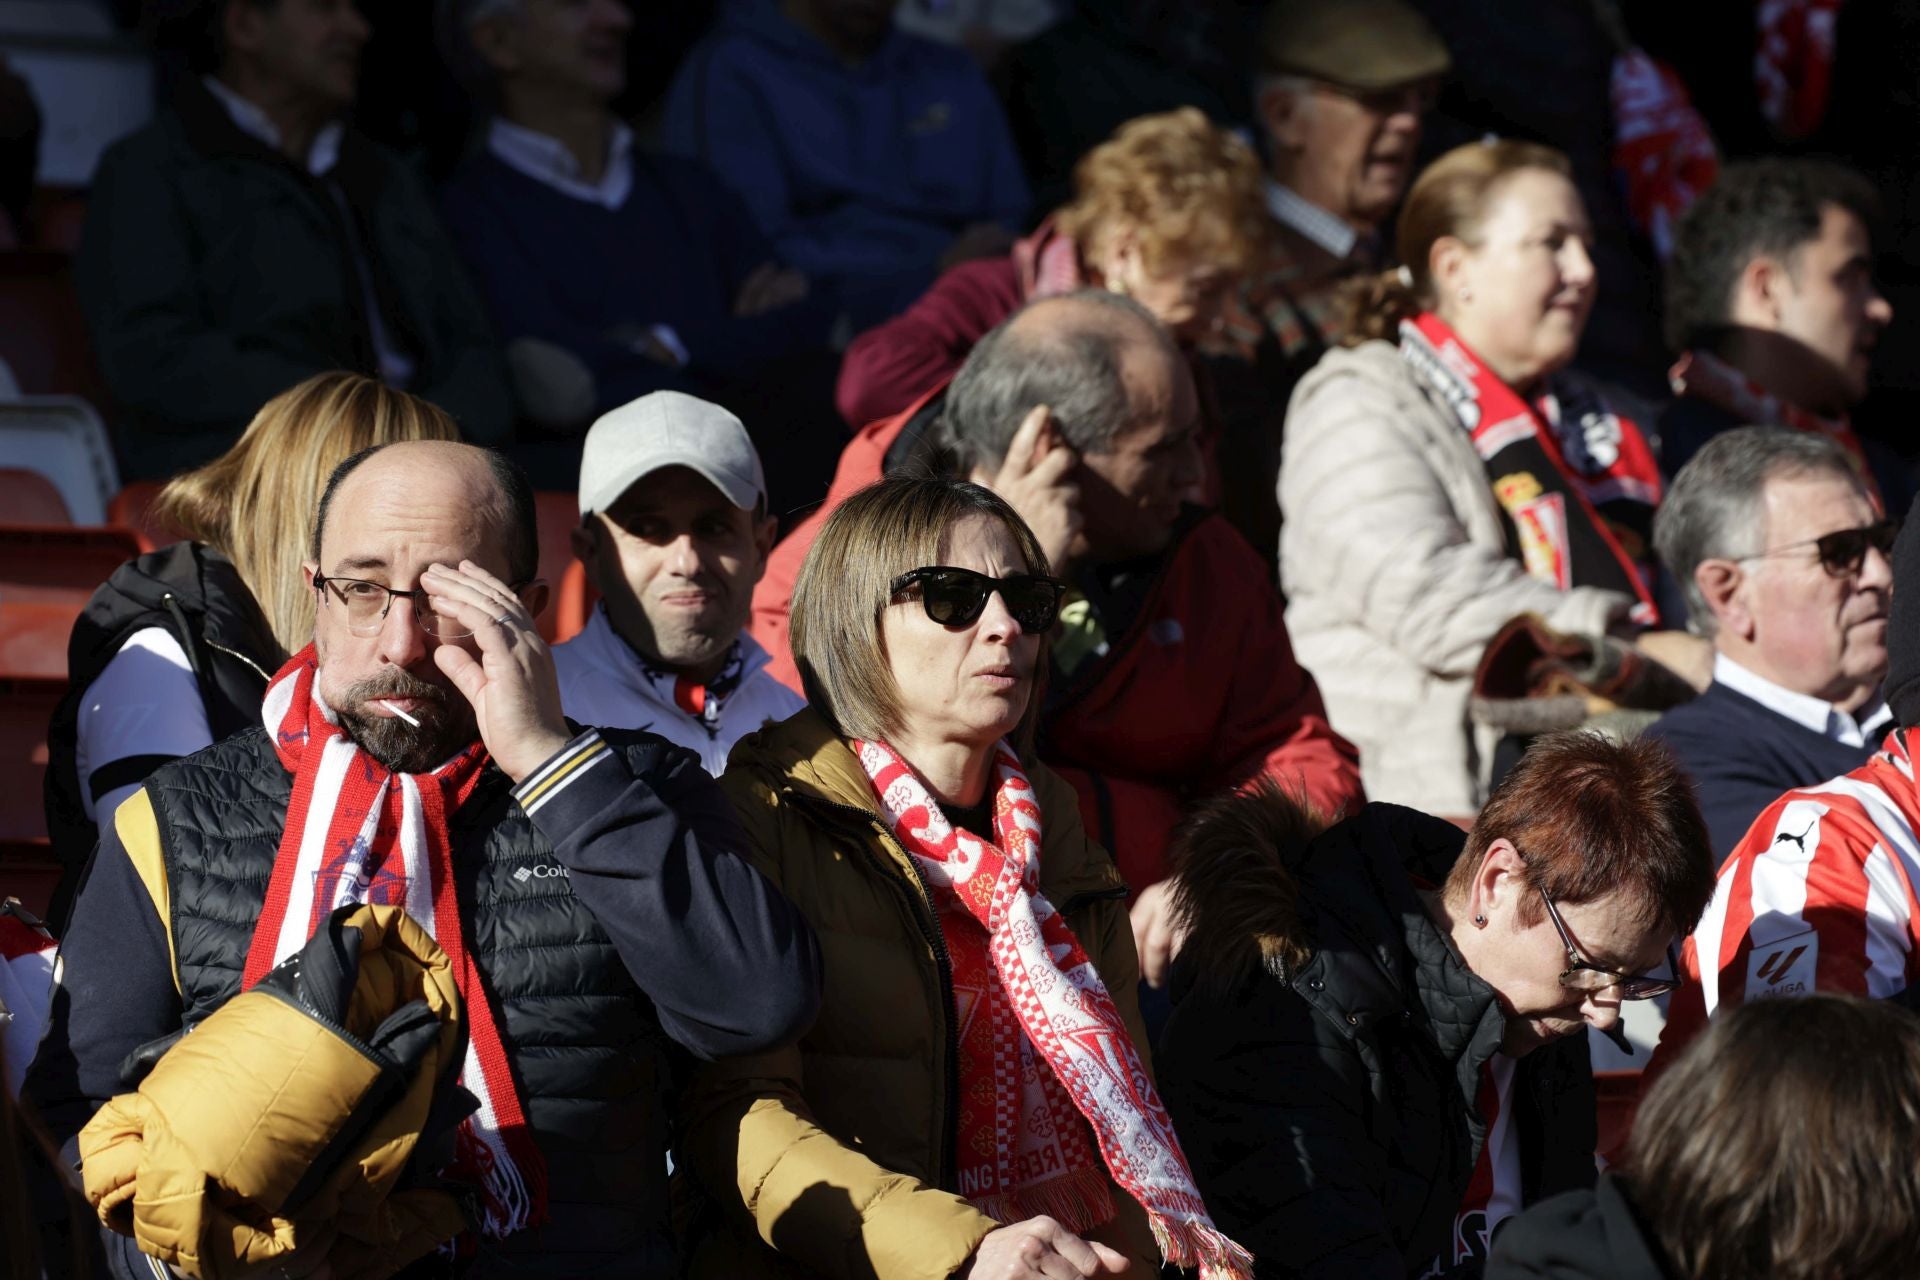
(1744, 756)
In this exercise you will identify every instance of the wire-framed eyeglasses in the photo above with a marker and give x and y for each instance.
(367, 604)
(1584, 976)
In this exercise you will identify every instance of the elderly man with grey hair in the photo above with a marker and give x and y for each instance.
(1173, 677)
(1784, 559)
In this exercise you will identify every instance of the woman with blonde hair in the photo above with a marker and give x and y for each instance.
(1444, 473)
(174, 651)
(974, 1097)
(1168, 211)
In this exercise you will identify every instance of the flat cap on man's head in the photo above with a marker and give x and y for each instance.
(669, 429)
(1359, 44)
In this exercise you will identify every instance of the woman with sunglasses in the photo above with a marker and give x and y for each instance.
(1377, 1049)
(973, 1099)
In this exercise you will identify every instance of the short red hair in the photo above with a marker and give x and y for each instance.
(1593, 817)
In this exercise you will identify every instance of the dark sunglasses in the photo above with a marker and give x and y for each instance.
(955, 597)
(1579, 975)
(1844, 551)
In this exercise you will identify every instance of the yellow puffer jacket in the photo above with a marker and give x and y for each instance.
(835, 1151)
(267, 1130)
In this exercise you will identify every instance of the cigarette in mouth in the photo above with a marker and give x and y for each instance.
(397, 711)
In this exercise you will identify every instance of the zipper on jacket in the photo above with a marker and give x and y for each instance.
(930, 931)
(235, 653)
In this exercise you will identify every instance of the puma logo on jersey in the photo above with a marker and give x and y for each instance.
(1800, 841)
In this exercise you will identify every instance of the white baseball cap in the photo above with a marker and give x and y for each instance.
(669, 429)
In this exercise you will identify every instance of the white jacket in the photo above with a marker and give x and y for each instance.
(1394, 559)
(603, 683)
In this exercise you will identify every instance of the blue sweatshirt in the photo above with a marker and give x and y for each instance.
(861, 176)
(1743, 756)
(592, 279)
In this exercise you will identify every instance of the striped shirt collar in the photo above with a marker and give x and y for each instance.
(1328, 230)
(546, 159)
(1825, 719)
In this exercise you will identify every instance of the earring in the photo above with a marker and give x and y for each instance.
(1479, 922)
(1465, 295)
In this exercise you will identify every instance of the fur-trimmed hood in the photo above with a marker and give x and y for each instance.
(1261, 879)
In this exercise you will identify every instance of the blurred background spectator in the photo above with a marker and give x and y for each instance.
(610, 272)
(249, 238)
(872, 159)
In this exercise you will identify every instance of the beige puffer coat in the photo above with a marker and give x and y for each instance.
(1396, 569)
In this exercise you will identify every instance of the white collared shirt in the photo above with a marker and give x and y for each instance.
(546, 160)
(321, 156)
(1330, 231)
(1804, 709)
(396, 366)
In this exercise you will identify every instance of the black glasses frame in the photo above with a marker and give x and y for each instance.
(1843, 551)
(422, 611)
(1632, 986)
(940, 584)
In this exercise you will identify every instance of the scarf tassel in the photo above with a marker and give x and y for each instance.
(1196, 1244)
(1079, 1201)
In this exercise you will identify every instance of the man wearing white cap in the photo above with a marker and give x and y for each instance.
(674, 532)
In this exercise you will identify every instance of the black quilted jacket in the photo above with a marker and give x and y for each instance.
(1327, 1105)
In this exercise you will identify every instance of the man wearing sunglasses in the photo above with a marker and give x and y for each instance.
(1783, 560)
(1823, 893)
(1172, 675)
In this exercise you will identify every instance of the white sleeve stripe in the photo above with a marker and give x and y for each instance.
(1778, 893)
(1888, 922)
(1707, 936)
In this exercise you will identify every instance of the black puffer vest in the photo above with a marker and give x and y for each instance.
(194, 592)
(587, 1051)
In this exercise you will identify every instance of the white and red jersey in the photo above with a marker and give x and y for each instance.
(1819, 896)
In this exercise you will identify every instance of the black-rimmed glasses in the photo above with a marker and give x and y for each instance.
(1583, 976)
(1843, 551)
(955, 597)
(367, 604)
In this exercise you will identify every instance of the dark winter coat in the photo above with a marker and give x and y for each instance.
(1327, 1045)
(216, 273)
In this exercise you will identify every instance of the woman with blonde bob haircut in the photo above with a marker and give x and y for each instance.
(973, 1099)
(1446, 473)
(1169, 211)
(1784, 1143)
(173, 653)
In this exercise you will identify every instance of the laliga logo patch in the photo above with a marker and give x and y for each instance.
(1783, 967)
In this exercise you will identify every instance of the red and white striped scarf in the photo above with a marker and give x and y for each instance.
(357, 832)
(1049, 992)
(1705, 376)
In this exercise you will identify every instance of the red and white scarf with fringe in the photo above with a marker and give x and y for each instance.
(1047, 994)
(357, 832)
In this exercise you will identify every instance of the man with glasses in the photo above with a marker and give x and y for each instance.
(586, 885)
(1343, 89)
(1783, 559)
(1823, 894)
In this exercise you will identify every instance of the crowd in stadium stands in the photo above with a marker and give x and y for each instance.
(977, 640)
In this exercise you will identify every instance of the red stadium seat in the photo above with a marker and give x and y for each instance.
(28, 871)
(1615, 1093)
(33, 637)
(556, 514)
(43, 336)
(53, 564)
(26, 705)
(28, 497)
(131, 508)
(572, 603)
